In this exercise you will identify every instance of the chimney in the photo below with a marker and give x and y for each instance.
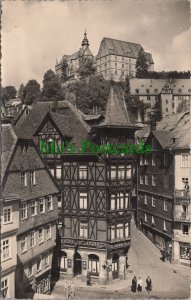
(153, 125)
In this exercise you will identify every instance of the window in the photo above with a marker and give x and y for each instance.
(148, 98)
(46, 285)
(115, 65)
(64, 261)
(58, 171)
(115, 72)
(38, 264)
(83, 200)
(121, 172)
(112, 232)
(30, 270)
(166, 101)
(129, 171)
(113, 172)
(165, 205)
(23, 243)
(141, 179)
(141, 160)
(126, 205)
(153, 159)
(4, 288)
(127, 230)
(166, 109)
(48, 231)
(93, 263)
(146, 180)
(184, 160)
(146, 160)
(156, 90)
(137, 91)
(23, 211)
(42, 206)
(32, 178)
(146, 219)
(113, 202)
(122, 65)
(147, 90)
(153, 180)
(7, 215)
(46, 259)
(119, 231)
(145, 200)
(84, 229)
(32, 239)
(120, 200)
(164, 225)
(6, 249)
(153, 202)
(50, 203)
(179, 90)
(23, 179)
(153, 220)
(41, 235)
(33, 208)
(185, 229)
(82, 172)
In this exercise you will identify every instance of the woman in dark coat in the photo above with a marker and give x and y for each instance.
(88, 278)
(149, 284)
(134, 285)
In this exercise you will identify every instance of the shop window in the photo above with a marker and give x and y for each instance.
(93, 261)
(185, 229)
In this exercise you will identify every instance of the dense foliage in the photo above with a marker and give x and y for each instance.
(7, 93)
(51, 90)
(165, 75)
(141, 64)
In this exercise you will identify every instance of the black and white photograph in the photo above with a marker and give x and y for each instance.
(95, 149)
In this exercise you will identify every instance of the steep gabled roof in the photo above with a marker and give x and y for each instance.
(163, 137)
(123, 48)
(116, 111)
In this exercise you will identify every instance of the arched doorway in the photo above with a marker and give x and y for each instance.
(77, 264)
(115, 266)
(93, 264)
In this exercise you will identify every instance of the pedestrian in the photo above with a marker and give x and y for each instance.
(139, 285)
(134, 284)
(148, 284)
(88, 278)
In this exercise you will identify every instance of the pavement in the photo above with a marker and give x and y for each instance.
(169, 281)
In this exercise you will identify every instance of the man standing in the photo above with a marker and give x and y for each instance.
(148, 284)
(134, 285)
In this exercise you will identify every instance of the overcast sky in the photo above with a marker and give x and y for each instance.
(35, 33)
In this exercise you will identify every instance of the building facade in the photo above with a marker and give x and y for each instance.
(73, 62)
(117, 59)
(35, 216)
(164, 188)
(170, 93)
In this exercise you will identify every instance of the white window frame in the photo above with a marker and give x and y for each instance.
(41, 235)
(84, 229)
(5, 288)
(141, 160)
(46, 259)
(127, 200)
(146, 217)
(58, 171)
(83, 200)
(129, 171)
(32, 178)
(83, 172)
(141, 180)
(153, 180)
(146, 199)
(165, 205)
(121, 172)
(23, 240)
(127, 230)
(184, 162)
(50, 201)
(34, 205)
(153, 159)
(48, 231)
(112, 232)
(164, 225)
(113, 172)
(120, 201)
(46, 285)
(42, 202)
(152, 220)
(146, 179)
(6, 213)
(120, 231)
(153, 201)
(146, 162)
(32, 238)
(113, 201)
(24, 179)
(6, 249)
(23, 211)
(40, 264)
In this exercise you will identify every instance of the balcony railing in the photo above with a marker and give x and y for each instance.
(182, 195)
(182, 216)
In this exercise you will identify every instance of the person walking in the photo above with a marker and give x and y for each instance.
(134, 284)
(148, 284)
(139, 285)
(88, 278)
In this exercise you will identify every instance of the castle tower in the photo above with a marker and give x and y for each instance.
(85, 42)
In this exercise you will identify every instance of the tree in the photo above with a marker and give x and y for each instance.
(31, 92)
(86, 68)
(64, 70)
(156, 114)
(141, 64)
(52, 90)
(21, 92)
(8, 92)
(183, 106)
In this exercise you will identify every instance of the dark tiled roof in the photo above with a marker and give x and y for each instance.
(163, 137)
(9, 140)
(116, 110)
(123, 48)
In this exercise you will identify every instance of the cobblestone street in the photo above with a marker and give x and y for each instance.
(169, 281)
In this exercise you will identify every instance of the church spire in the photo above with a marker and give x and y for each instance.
(85, 41)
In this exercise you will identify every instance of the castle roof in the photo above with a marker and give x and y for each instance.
(123, 48)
